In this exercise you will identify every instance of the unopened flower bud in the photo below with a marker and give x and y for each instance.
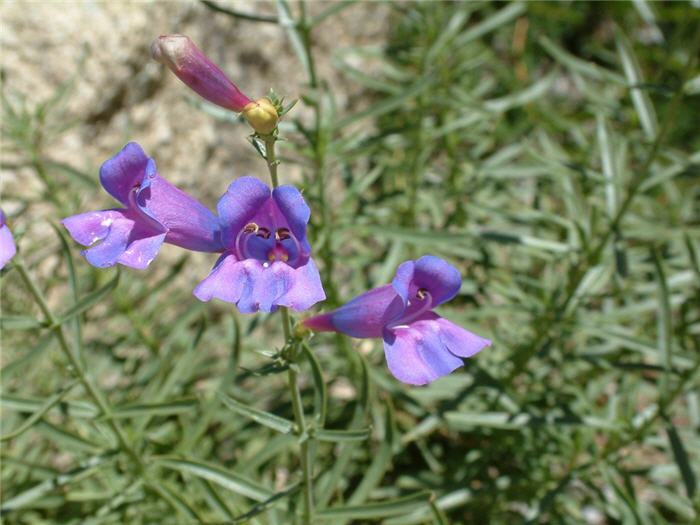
(193, 67)
(262, 116)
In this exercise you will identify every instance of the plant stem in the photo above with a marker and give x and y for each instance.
(292, 371)
(271, 160)
(92, 389)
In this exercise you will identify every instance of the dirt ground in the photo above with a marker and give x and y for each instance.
(120, 94)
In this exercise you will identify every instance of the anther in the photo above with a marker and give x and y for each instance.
(282, 234)
(263, 232)
(421, 293)
(251, 227)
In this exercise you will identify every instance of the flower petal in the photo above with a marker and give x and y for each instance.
(189, 223)
(7, 244)
(459, 341)
(227, 281)
(416, 355)
(401, 348)
(126, 170)
(431, 273)
(88, 228)
(240, 203)
(364, 316)
(125, 240)
(295, 210)
(306, 289)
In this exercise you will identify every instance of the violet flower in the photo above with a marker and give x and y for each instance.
(7, 243)
(156, 212)
(266, 263)
(419, 345)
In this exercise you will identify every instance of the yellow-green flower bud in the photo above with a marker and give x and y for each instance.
(262, 116)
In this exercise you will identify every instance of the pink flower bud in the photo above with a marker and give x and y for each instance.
(193, 67)
(261, 115)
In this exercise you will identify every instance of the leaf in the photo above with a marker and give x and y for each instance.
(295, 37)
(25, 498)
(342, 435)
(154, 409)
(90, 299)
(589, 69)
(20, 322)
(36, 416)
(505, 15)
(225, 478)
(267, 419)
(392, 507)
(640, 99)
(382, 458)
(389, 103)
(682, 459)
(320, 391)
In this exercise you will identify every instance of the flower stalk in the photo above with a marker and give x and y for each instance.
(292, 346)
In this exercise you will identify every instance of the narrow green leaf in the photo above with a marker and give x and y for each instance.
(227, 479)
(342, 435)
(578, 65)
(449, 501)
(682, 459)
(392, 507)
(607, 164)
(521, 98)
(20, 322)
(175, 500)
(295, 37)
(48, 404)
(320, 390)
(81, 409)
(267, 419)
(155, 409)
(640, 99)
(664, 328)
(502, 17)
(25, 498)
(334, 8)
(380, 463)
(90, 299)
(390, 103)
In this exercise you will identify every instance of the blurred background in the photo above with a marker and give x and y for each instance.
(548, 150)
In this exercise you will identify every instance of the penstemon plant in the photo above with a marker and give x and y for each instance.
(265, 263)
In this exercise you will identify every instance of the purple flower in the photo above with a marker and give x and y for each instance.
(193, 67)
(7, 243)
(266, 263)
(156, 212)
(419, 345)
(200, 74)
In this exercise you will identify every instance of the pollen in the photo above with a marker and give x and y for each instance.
(251, 227)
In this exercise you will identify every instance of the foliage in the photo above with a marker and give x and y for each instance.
(547, 150)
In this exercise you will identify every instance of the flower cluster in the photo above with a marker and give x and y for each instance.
(265, 259)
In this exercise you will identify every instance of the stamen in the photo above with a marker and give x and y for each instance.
(282, 234)
(263, 232)
(249, 228)
(423, 295)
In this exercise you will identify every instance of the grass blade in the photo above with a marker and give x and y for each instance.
(378, 510)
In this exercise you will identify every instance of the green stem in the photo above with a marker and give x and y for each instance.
(92, 389)
(271, 160)
(291, 371)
